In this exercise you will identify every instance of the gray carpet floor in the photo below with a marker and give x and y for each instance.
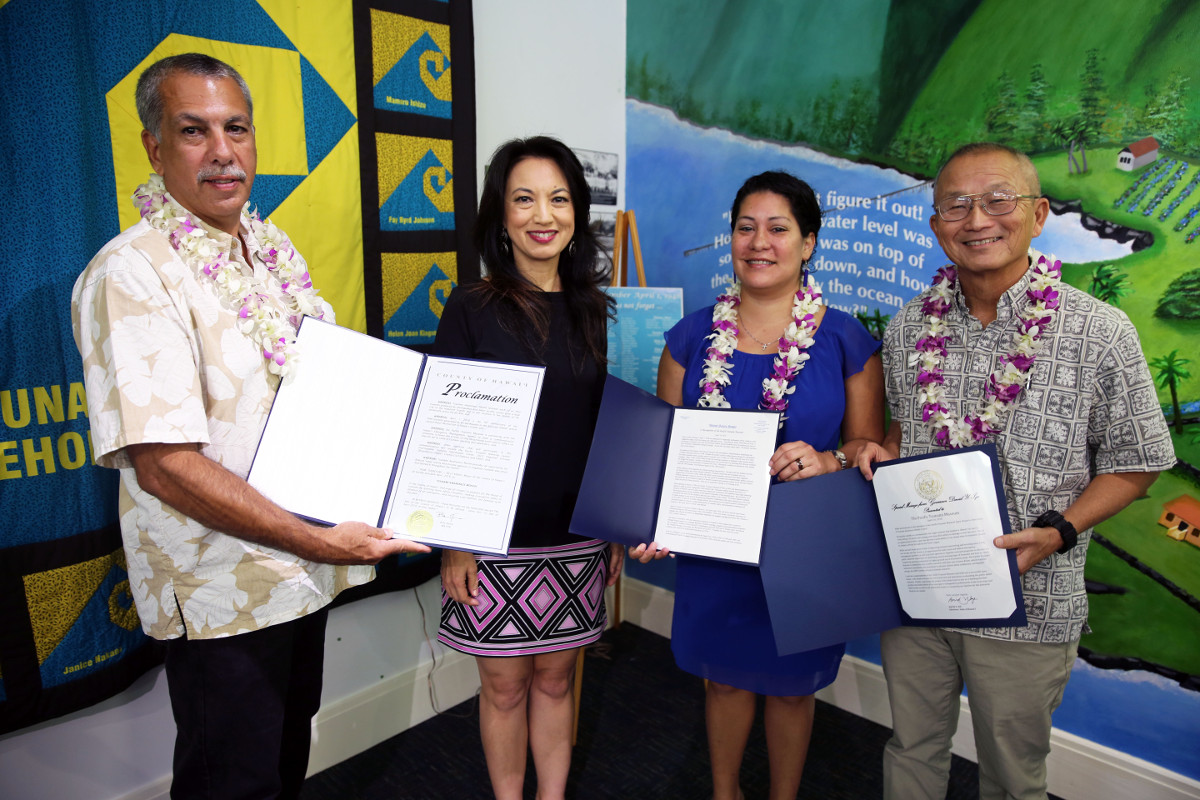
(641, 737)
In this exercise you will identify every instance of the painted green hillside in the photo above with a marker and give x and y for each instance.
(1150, 273)
(905, 81)
(902, 81)
(1120, 70)
(814, 71)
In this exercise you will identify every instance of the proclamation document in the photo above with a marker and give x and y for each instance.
(461, 469)
(939, 518)
(716, 482)
(433, 448)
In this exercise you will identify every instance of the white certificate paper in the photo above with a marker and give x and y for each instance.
(716, 481)
(939, 519)
(460, 472)
(433, 448)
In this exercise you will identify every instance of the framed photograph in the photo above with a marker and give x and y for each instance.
(603, 225)
(602, 173)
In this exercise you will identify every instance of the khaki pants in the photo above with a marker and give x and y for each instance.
(1013, 689)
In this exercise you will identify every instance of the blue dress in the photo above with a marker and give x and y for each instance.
(721, 630)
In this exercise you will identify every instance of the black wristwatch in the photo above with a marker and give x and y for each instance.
(1052, 519)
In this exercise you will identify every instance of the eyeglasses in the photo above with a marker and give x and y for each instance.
(994, 203)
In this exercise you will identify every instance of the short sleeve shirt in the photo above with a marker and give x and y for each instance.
(1089, 408)
(165, 362)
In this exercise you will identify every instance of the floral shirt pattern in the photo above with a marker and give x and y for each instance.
(164, 362)
(1089, 408)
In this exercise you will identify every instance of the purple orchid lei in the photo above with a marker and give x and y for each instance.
(258, 304)
(793, 347)
(1006, 383)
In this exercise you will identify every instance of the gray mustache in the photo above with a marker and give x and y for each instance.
(208, 173)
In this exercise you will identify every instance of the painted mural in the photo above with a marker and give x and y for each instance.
(863, 99)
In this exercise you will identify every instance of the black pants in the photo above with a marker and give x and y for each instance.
(243, 708)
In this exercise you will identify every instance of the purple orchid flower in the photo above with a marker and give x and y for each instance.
(935, 306)
(928, 377)
(947, 274)
(929, 409)
(979, 428)
(932, 344)
(1021, 362)
(1005, 393)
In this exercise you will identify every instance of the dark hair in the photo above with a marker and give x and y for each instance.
(523, 310)
(148, 94)
(1024, 163)
(800, 196)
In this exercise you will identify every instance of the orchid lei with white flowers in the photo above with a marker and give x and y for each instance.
(1010, 377)
(273, 330)
(793, 347)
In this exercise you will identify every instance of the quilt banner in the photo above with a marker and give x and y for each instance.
(73, 156)
(416, 92)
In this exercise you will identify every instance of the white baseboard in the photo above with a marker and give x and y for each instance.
(157, 790)
(1079, 769)
(647, 606)
(350, 725)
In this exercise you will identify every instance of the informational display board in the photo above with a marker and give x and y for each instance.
(635, 337)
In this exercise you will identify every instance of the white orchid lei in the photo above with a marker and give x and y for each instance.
(259, 318)
(1010, 377)
(793, 347)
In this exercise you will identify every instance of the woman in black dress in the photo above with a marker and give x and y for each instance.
(525, 617)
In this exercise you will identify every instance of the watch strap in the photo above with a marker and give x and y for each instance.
(1053, 519)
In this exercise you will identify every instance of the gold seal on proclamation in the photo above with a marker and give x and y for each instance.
(419, 522)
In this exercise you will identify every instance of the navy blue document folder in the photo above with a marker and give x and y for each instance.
(621, 494)
(825, 566)
(618, 501)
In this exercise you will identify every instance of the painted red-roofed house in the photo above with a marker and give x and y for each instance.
(1181, 517)
(1138, 154)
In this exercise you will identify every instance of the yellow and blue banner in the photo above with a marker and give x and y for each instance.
(70, 137)
(416, 93)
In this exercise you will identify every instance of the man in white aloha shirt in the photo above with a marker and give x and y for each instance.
(1084, 438)
(177, 397)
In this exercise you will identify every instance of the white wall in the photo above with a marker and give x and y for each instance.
(554, 68)
(540, 68)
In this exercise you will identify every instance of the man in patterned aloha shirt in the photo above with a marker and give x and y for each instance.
(178, 393)
(1081, 440)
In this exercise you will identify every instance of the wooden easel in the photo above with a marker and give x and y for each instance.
(624, 240)
(626, 222)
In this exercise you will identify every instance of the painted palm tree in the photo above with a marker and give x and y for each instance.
(875, 323)
(1108, 285)
(1084, 133)
(1074, 134)
(879, 323)
(1062, 131)
(1170, 372)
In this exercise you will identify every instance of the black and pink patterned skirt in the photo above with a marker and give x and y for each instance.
(537, 600)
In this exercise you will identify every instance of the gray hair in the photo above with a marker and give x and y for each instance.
(1024, 163)
(149, 96)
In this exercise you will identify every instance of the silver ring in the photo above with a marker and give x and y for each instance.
(799, 464)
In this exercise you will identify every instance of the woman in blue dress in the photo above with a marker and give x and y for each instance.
(768, 342)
